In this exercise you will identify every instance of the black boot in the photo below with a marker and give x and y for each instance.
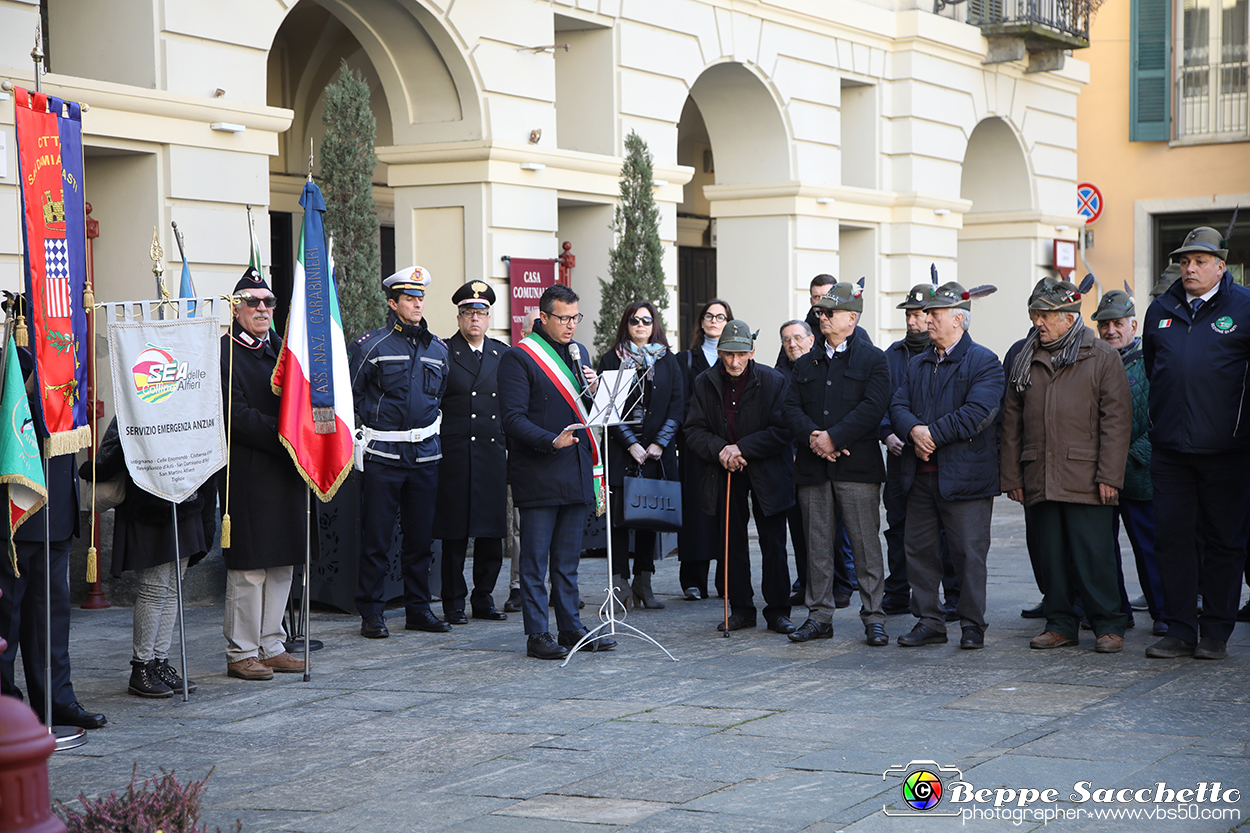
(144, 681)
(170, 677)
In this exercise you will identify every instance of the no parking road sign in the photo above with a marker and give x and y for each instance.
(1088, 201)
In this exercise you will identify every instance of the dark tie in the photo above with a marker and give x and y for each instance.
(1195, 303)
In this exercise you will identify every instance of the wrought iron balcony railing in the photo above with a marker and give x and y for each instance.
(1042, 23)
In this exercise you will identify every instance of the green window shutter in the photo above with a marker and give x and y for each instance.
(1150, 71)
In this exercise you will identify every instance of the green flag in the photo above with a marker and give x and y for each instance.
(21, 469)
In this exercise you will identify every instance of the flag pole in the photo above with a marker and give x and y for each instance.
(182, 629)
(307, 567)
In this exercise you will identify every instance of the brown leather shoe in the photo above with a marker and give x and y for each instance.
(1109, 643)
(284, 663)
(249, 668)
(1050, 639)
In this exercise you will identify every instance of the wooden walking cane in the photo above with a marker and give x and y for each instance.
(729, 476)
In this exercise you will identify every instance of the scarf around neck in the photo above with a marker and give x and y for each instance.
(1063, 352)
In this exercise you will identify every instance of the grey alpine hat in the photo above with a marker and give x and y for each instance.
(1115, 304)
(842, 296)
(736, 338)
(916, 296)
(1204, 240)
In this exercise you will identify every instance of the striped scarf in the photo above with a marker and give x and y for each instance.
(1063, 352)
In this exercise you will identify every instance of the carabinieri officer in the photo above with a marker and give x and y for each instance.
(399, 374)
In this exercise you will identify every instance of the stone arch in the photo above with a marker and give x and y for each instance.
(996, 175)
(431, 91)
(734, 133)
(998, 240)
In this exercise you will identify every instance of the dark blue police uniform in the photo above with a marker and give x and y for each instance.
(399, 373)
(1198, 364)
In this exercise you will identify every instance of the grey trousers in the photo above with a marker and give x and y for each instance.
(860, 505)
(255, 601)
(156, 608)
(967, 525)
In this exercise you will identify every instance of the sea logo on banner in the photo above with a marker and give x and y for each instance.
(157, 375)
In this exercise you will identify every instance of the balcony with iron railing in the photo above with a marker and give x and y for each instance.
(1040, 24)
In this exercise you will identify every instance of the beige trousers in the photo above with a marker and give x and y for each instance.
(255, 602)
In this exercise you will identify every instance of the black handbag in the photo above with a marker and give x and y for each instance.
(651, 503)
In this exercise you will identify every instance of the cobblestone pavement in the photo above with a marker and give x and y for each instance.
(461, 732)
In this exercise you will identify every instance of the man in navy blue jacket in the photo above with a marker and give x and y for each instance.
(946, 408)
(551, 457)
(1197, 349)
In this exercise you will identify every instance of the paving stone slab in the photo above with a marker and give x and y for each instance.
(1097, 745)
(626, 782)
(800, 798)
(617, 811)
(688, 821)
(1023, 697)
(697, 716)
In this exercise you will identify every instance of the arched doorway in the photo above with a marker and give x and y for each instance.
(730, 243)
(998, 241)
(423, 93)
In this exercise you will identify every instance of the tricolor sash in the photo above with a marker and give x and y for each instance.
(49, 145)
(569, 385)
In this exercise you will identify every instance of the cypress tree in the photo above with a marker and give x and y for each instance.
(635, 264)
(347, 163)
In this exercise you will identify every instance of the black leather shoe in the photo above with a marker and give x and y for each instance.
(781, 624)
(543, 646)
(1210, 648)
(513, 605)
(75, 715)
(374, 627)
(812, 629)
(1170, 647)
(600, 643)
(738, 621)
(950, 613)
(1243, 615)
(455, 617)
(492, 615)
(876, 635)
(425, 620)
(920, 635)
(972, 639)
(798, 599)
(1034, 612)
(841, 600)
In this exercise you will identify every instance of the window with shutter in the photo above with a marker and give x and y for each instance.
(1149, 87)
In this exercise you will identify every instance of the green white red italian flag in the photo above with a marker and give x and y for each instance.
(315, 418)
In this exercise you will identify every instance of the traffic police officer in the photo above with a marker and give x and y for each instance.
(473, 474)
(399, 374)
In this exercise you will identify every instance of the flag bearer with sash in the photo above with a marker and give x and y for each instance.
(553, 467)
(399, 374)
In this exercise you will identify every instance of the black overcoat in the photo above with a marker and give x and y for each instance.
(268, 517)
(762, 438)
(697, 538)
(473, 474)
(664, 402)
(850, 409)
(534, 413)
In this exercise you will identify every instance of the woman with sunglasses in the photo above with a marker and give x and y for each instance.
(646, 448)
(696, 543)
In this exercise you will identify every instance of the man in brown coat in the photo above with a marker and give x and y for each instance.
(1067, 421)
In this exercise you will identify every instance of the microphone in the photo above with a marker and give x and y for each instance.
(575, 353)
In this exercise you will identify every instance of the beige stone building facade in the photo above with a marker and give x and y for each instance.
(856, 137)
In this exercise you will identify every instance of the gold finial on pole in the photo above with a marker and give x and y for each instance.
(158, 267)
(310, 158)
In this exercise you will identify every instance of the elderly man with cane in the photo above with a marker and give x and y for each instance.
(735, 425)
